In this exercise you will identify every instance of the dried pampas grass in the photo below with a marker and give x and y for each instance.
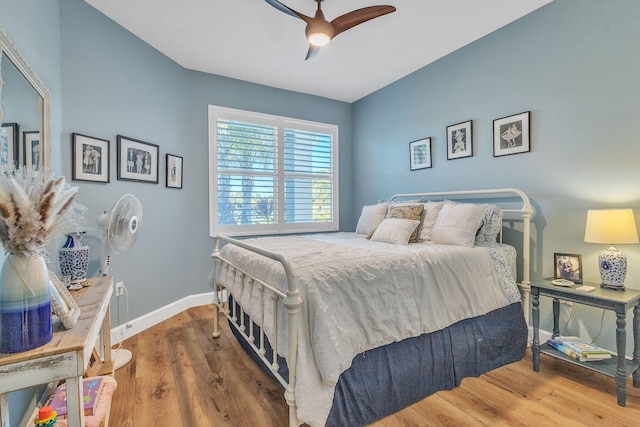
(34, 209)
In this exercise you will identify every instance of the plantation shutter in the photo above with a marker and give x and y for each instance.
(271, 174)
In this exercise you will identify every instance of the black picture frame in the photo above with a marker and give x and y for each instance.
(90, 158)
(32, 149)
(10, 148)
(460, 140)
(511, 134)
(420, 154)
(567, 266)
(137, 160)
(174, 171)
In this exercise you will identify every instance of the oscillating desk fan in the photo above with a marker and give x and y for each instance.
(121, 229)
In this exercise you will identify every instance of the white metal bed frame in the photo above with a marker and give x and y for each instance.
(292, 300)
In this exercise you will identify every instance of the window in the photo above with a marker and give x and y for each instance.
(271, 174)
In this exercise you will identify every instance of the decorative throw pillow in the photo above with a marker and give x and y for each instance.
(458, 223)
(429, 220)
(371, 217)
(491, 225)
(409, 211)
(395, 230)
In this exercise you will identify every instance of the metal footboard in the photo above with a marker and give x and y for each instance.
(291, 300)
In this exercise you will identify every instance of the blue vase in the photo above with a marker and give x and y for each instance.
(25, 304)
(74, 258)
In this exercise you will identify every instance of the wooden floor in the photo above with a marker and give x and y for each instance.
(182, 377)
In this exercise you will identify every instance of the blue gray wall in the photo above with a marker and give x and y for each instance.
(574, 64)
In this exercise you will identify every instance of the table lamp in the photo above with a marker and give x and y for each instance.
(612, 227)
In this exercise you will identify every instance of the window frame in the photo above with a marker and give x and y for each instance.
(282, 123)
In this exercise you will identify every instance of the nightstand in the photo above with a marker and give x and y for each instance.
(618, 301)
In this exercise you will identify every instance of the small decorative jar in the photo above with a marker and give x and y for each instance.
(74, 258)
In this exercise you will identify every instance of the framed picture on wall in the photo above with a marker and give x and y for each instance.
(32, 150)
(420, 154)
(174, 171)
(568, 266)
(459, 140)
(137, 160)
(89, 158)
(9, 138)
(511, 135)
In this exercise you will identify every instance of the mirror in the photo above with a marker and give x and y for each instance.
(25, 136)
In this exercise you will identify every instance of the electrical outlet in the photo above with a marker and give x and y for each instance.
(119, 288)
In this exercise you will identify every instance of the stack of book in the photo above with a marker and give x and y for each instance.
(579, 349)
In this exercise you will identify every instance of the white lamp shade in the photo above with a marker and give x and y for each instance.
(611, 226)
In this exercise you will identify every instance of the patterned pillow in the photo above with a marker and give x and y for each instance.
(491, 225)
(410, 211)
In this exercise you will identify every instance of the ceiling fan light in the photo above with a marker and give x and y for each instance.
(319, 39)
(319, 32)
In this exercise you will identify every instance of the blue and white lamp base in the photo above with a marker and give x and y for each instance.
(613, 268)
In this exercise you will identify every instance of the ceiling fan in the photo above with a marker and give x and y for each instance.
(319, 31)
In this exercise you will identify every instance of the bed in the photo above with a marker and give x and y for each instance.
(356, 326)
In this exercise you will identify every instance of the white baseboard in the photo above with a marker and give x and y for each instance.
(137, 325)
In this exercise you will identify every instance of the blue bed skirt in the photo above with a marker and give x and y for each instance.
(386, 379)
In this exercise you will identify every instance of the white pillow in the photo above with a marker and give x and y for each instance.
(371, 217)
(429, 218)
(458, 223)
(395, 230)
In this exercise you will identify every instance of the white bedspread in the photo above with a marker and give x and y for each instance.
(358, 295)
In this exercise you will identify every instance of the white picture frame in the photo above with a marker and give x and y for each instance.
(63, 304)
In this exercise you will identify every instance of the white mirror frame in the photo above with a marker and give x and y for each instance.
(9, 48)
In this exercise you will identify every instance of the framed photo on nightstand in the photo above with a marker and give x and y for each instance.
(568, 266)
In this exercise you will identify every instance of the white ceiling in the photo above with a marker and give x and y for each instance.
(252, 41)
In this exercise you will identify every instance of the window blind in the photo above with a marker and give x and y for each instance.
(271, 174)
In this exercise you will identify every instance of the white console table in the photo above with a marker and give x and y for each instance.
(67, 355)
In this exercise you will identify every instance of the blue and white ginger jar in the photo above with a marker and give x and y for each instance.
(74, 258)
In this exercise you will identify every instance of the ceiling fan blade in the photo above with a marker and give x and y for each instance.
(313, 51)
(286, 9)
(356, 17)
